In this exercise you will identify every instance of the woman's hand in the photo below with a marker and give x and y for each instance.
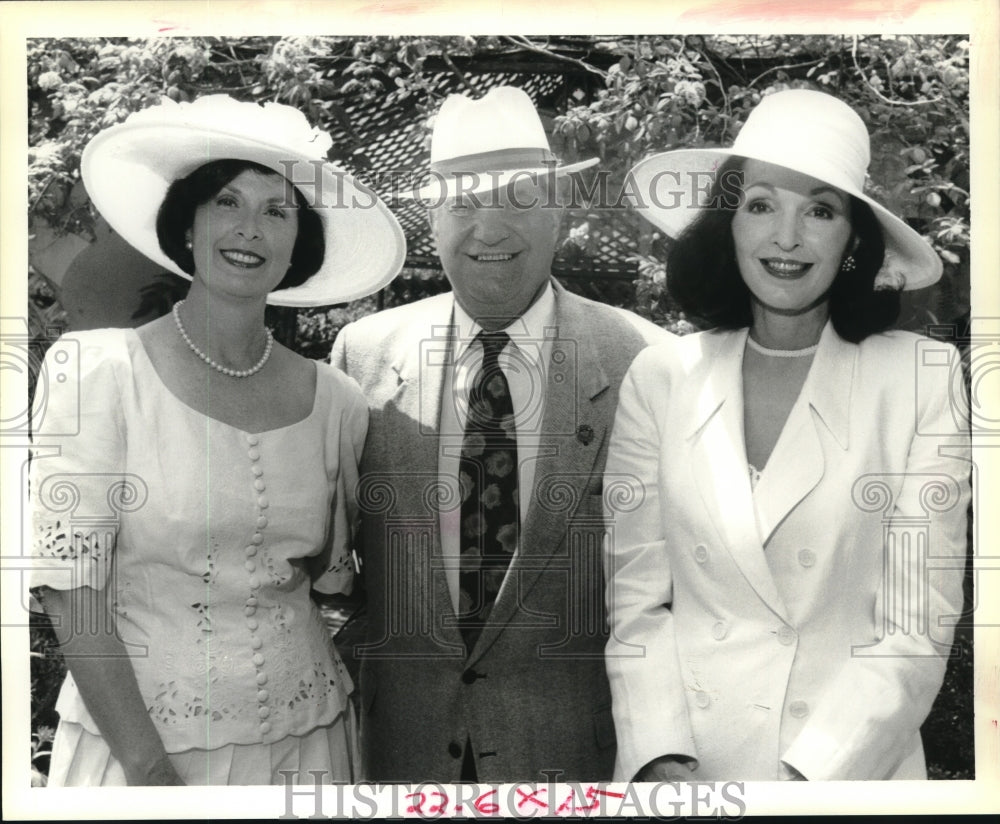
(666, 768)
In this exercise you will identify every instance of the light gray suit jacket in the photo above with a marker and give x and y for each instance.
(533, 696)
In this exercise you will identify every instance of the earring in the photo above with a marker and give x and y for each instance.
(848, 264)
(188, 244)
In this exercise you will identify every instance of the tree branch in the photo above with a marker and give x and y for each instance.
(524, 43)
(876, 92)
(766, 72)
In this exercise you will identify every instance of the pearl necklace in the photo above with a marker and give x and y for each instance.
(225, 370)
(781, 353)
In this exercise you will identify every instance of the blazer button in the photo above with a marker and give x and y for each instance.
(701, 553)
(701, 699)
(470, 676)
(807, 557)
(720, 630)
(455, 749)
(786, 635)
(798, 709)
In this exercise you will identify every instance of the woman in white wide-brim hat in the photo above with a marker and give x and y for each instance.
(784, 580)
(204, 475)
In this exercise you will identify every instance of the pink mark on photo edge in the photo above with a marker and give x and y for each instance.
(807, 9)
(401, 7)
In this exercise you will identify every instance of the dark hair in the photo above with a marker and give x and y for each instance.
(704, 279)
(176, 217)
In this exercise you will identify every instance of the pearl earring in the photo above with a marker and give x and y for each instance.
(848, 264)
(188, 244)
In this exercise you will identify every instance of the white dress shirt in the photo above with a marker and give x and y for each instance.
(524, 362)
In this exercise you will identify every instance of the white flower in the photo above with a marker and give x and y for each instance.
(50, 80)
(890, 277)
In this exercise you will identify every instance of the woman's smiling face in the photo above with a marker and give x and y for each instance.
(791, 233)
(244, 235)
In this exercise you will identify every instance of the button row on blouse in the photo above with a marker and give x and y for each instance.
(250, 564)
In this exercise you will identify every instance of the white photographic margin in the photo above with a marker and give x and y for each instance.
(22, 20)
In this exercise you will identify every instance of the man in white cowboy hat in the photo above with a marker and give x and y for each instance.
(481, 484)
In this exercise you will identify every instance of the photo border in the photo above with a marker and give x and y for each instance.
(22, 20)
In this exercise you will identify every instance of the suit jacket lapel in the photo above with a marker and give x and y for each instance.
(574, 386)
(719, 464)
(797, 463)
(422, 357)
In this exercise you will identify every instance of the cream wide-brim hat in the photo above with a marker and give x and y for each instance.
(128, 168)
(806, 131)
(486, 144)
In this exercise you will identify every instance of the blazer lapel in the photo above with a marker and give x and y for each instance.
(797, 463)
(574, 385)
(719, 464)
(422, 357)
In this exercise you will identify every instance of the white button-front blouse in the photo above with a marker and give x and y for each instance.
(209, 535)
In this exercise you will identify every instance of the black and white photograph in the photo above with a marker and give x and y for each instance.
(493, 412)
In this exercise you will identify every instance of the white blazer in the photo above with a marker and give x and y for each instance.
(806, 623)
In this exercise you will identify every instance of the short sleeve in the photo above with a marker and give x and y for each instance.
(77, 479)
(336, 573)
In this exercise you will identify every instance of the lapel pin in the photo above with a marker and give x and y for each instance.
(584, 434)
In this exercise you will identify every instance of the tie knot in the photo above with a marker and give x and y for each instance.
(493, 343)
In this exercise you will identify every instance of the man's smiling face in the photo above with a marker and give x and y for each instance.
(497, 248)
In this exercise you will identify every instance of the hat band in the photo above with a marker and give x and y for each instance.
(498, 160)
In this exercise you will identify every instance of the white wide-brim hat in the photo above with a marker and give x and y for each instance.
(808, 132)
(128, 168)
(485, 144)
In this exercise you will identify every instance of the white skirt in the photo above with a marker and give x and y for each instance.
(82, 759)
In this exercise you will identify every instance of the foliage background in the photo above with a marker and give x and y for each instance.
(625, 97)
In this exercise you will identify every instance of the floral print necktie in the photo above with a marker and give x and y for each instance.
(488, 483)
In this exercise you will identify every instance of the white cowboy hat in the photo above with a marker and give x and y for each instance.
(482, 145)
(128, 168)
(807, 131)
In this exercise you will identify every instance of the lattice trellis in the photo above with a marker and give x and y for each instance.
(389, 137)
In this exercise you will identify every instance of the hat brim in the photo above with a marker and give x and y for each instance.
(128, 168)
(671, 189)
(479, 181)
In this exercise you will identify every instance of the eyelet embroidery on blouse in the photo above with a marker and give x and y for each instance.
(55, 541)
(169, 708)
(316, 688)
(204, 622)
(209, 575)
(276, 662)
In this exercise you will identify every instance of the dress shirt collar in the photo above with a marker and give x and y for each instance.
(535, 325)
